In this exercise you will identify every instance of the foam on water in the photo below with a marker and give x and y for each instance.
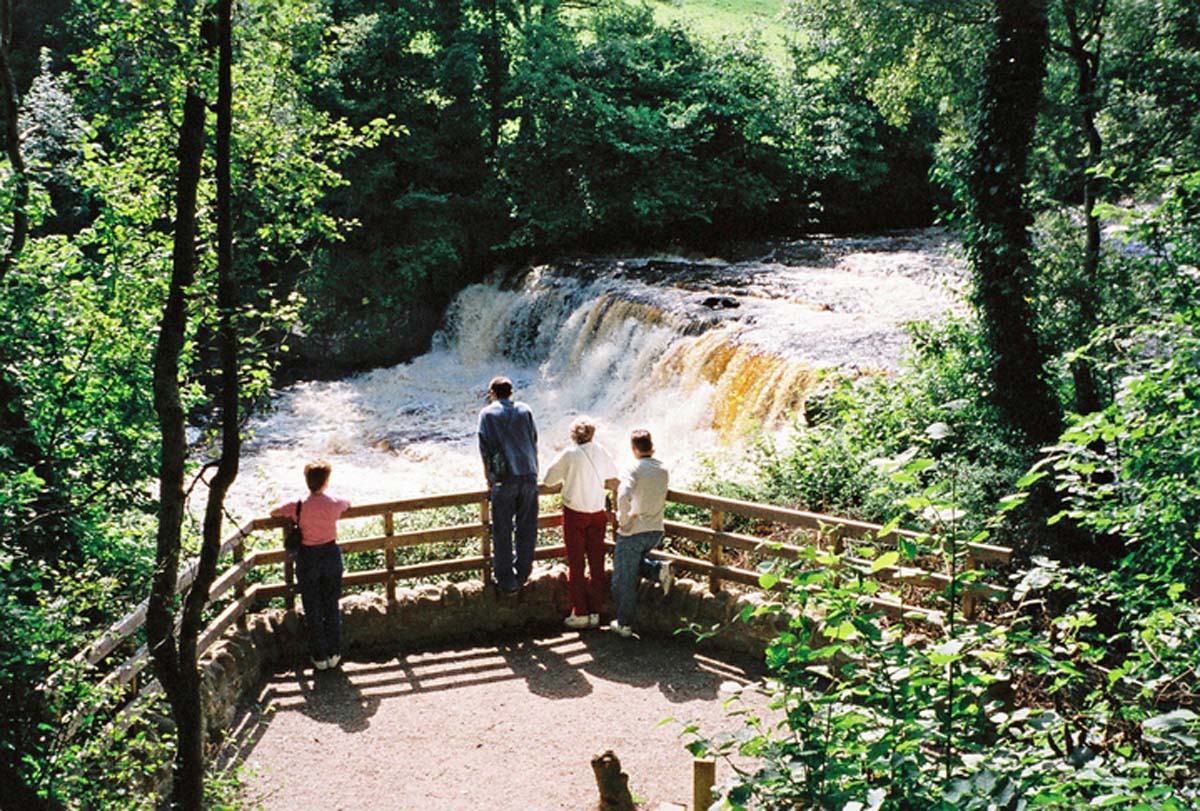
(629, 349)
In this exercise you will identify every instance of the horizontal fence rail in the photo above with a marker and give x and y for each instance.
(839, 537)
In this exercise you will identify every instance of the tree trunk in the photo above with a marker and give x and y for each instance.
(998, 239)
(1087, 73)
(177, 660)
(495, 70)
(160, 615)
(12, 143)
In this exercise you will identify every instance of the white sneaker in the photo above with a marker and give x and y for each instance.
(321, 664)
(666, 578)
(593, 620)
(335, 660)
(619, 629)
(577, 621)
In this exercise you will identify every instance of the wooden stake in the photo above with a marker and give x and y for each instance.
(612, 783)
(704, 777)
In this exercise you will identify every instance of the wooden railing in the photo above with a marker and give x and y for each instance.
(839, 536)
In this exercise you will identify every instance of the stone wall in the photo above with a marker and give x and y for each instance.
(235, 666)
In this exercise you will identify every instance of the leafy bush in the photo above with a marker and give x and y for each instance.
(1053, 709)
(1129, 471)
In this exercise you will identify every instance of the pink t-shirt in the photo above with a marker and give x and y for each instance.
(318, 517)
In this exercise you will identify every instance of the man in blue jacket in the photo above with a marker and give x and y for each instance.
(508, 445)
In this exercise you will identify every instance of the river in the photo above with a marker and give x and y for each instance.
(702, 352)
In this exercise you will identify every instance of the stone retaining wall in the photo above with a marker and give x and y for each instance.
(236, 665)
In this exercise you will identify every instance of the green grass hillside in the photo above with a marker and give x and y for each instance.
(716, 18)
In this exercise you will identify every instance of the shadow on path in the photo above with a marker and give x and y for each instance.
(566, 666)
(680, 671)
(331, 697)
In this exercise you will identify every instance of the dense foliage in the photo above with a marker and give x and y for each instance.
(384, 154)
(524, 129)
(1083, 691)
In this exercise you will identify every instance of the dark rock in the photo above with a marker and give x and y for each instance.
(721, 303)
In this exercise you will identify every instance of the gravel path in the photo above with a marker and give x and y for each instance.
(506, 725)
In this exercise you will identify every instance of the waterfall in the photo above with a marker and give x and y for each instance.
(701, 353)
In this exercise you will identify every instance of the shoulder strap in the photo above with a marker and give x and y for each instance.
(299, 504)
(588, 456)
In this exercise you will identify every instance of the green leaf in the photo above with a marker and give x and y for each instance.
(844, 630)
(1170, 721)
(885, 560)
(1031, 477)
(938, 430)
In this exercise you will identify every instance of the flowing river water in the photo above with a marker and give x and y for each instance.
(704, 353)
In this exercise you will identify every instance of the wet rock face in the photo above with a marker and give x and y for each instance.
(367, 343)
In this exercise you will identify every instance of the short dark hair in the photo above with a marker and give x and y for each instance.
(316, 474)
(642, 441)
(501, 387)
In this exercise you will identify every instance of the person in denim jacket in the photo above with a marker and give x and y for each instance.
(508, 446)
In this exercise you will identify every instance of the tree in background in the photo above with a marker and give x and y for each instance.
(12, 145)
(536, 127)
(633, 132)
(888, 88)
(998, 238)
(1084, 22)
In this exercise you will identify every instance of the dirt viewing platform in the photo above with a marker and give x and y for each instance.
(506, 724)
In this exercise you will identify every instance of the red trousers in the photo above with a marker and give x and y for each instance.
(583, 534)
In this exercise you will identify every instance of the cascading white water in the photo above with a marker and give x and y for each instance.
(697, 352)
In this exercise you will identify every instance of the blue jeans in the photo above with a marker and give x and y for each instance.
(514, 512)
(630, 563)
(319, 572)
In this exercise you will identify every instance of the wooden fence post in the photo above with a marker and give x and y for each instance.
(289, 576)
(389, 556)
(485, 539)
(839, 548)
(968, 596)
(239, 555)
(704, 777)
(715, 549)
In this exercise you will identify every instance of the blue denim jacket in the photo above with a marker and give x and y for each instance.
(508, 441)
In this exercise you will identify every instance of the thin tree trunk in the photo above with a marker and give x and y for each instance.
(12, 144)
(178, 659)
(1087, 72)
(160, 616)
(14, 421)
(998, 240)
(494, 68)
